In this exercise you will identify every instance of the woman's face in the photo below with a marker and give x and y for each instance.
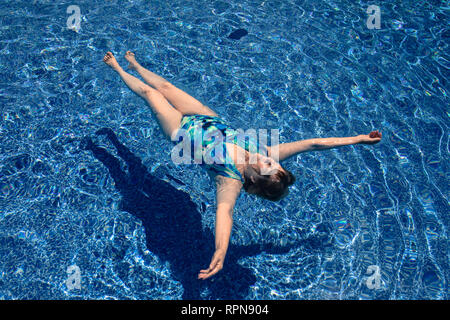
(265, 165)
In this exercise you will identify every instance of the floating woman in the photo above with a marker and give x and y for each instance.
(259, 173)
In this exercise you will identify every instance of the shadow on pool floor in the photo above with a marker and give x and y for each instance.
(173, 227)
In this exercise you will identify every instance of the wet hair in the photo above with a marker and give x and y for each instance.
(272, 187)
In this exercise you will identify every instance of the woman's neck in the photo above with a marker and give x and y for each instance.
(238, 158)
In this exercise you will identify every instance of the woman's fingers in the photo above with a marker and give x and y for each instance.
(214, 267)
(371, 138)
(205, 271)
(204, 274)
(375, 134)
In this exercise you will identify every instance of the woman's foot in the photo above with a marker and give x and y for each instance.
(129, 56)
(111, 61)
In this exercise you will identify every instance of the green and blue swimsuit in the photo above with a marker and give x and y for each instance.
(206, 128)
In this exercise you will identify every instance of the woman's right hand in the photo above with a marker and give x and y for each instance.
(371, 138)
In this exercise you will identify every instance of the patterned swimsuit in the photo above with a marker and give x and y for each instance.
(204, 132)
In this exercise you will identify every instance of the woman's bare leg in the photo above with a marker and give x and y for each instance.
(184, 103)
(169, 118)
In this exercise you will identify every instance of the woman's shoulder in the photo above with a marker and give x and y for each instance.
(222, 180)
(228, 190)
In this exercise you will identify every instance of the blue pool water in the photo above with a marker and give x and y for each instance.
(361, 222)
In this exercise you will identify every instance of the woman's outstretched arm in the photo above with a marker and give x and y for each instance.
(287, 150)
(227, 192)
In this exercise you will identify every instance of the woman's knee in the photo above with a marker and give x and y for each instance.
(165, 87)
(149, 93)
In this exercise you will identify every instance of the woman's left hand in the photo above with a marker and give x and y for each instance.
(215, 266)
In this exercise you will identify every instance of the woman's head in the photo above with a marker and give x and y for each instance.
(266, 178)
